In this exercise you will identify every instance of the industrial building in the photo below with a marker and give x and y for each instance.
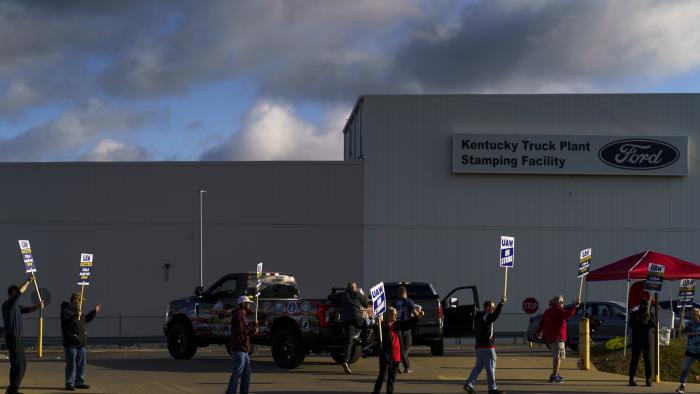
(427, 186)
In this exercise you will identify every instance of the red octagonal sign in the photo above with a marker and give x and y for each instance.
(530, 305)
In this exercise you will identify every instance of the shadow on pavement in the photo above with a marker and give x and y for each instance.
(199, 365)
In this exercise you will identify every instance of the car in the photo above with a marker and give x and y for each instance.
(607, 321)
(290, 325)
(447, 317)
(677, 311)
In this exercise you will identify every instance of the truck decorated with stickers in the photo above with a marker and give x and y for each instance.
(293, 327)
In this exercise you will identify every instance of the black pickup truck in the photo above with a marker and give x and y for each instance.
(293, 327)
(452, 316)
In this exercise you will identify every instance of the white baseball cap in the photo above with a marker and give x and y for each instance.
(244, 299)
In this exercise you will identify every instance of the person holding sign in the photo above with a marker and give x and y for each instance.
(485, 346)
(390, 352)
(692, 348)
(241, 331)
(12, 320)
(553, 329)
(75, 339)
(351, 303)
(641, 324)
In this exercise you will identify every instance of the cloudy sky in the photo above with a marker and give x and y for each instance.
(134, 80)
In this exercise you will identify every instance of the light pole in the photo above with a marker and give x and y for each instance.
(201, 237)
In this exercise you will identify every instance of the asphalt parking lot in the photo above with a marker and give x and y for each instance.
(520, 370)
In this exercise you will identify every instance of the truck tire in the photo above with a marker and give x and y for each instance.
(181, 342)
(288, 349)
(339, 356)
(437, 348)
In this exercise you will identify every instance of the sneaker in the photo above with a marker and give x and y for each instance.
(82, 386)
(469, 389)
(632, 382)
(681, 389)
(556, 379)
(409, 370)
(648, 382)
(346, 368)
(69, 387)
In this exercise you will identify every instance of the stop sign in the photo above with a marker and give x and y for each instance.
(530, 305)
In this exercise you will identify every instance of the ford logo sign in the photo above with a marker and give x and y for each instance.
(639, 154)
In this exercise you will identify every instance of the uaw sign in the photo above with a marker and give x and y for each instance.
(25, 248)
(655, 277)
(378, 299)
(570, 154)
(85, 269)
(686, 293)
(507, 251)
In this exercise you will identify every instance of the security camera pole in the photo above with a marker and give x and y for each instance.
(30, 268)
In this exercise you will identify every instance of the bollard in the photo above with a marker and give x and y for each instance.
(584, 344)
(529, 344)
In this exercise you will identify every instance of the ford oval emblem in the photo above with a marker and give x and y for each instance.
(639, 154)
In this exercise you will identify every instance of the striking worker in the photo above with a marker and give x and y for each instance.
(12, 320)
(485, 347)
(553, 328)
(241, 331)
(692, 348)
(641, 324)
(352, 302)
(407, 313)
(74, 333)
(390, 352)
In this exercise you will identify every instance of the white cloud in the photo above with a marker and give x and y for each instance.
(112, 150)
(272, 131)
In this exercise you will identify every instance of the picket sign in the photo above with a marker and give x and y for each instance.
(507, 258)
(686, 297)
(378, 304)
(258, 275)
(84, 278)
(584, 266)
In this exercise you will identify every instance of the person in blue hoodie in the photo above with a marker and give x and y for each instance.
(692, 349)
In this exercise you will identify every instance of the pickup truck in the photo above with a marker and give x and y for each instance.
(447, 317)
(291, 326)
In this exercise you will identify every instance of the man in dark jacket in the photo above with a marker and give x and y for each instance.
(351, 303)
(485, 346)
(12, 320)
(641, 325)
(406, 313)
(74, 340)
(241, 331)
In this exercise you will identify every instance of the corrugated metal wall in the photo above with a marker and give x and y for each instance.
(422, 222)
(303, 218)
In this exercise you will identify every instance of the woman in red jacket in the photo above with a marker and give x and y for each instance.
(553, 329)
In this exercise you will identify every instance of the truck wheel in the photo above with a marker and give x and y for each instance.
(181, 343)
(437, 348)
(288, 350)
(339, 356)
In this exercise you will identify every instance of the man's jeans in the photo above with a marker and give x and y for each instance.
(687, 363)
(241, 371)
(485, 358)
(75, 357)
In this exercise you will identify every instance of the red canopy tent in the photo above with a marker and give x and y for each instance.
(637, 266)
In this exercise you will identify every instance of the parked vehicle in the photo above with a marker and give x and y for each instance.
(607, 321)
(290, 325)
(449, 317)
(677, 311)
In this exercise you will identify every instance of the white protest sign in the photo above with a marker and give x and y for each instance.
(258, 274)
(507, 251)
(378, 299)
(584, 262)
(85, 268)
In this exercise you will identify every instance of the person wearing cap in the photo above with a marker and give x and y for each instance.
(241, 331)
(75, 340)
(641, 325)
(553, 329)
(692, 348)
(12, 320)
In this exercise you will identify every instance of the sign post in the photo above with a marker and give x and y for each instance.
(686, 297)
(30, 268)
(507, 258)
(84, 278)
(258, 275)
(655, 279)
(584, 266)
(378, 304)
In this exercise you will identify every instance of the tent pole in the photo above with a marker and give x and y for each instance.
(627, 314)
